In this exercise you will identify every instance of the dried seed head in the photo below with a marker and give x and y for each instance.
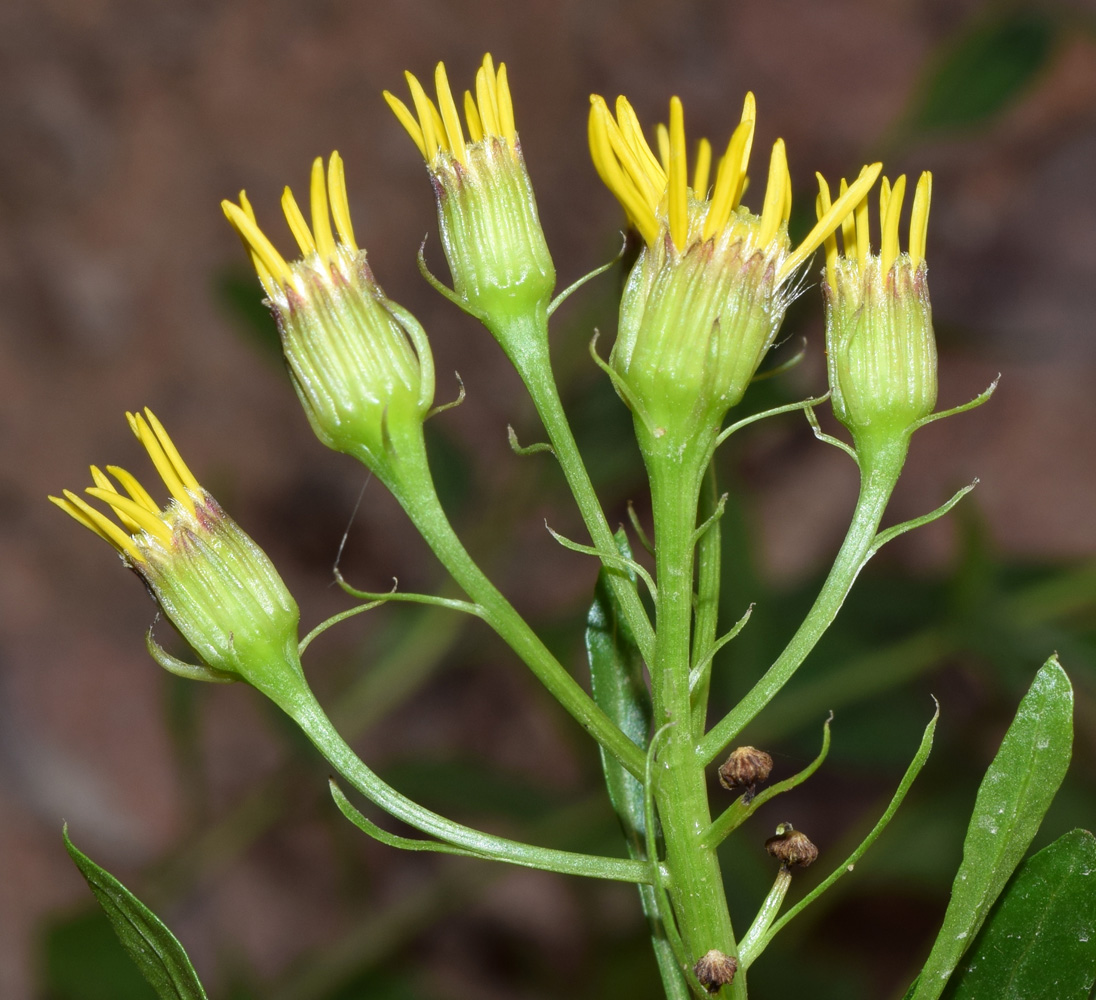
(715, 970)
(744, 770)
(791, 847)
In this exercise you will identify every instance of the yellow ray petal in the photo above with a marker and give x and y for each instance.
(340, 203)
(454, 134)
(124, 507)
(486, 105)
(703, 169)
(297, 224)
(775, 193)
(407, 120)
(839, 210)
(259, 246)
(428, 117)
(677, 180)
(863, 230)
(506, 107)
(888, 225)
(822, 207)
(472, 117)
(728, 181)
(617, 179)
(919, 218)
(134, 488)
(321, 214)
(104, 483)
(79, 509)
(165, 456)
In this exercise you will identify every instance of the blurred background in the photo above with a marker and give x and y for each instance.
(121, 285)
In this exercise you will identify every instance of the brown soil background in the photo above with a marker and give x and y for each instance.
(122, 125)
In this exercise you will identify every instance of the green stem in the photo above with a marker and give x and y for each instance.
(696, 882)
(305, 710)
(524, 338)
(880, 466)
(406, 472)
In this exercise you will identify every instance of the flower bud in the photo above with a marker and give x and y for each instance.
(880, 346)
(490, 228)
(791, 847)
(361, 364)
(212, 581)
(715, 970)
(744, 770)
(707, 295)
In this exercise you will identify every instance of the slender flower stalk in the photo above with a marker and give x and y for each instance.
(212, 581)
(502, 271)
(363, 371)
(881, 356)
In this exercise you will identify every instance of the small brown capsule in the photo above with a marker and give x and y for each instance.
(715, 970)
(744, 770)
(791, 847)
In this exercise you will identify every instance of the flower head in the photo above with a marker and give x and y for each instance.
(708, 293)
(486, 209)
(215, 584)
(361, 364)
(880, 346)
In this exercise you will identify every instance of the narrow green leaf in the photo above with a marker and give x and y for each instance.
(153, 948)
(620, 691)
(1012, 800)
(1039, 942)
(984, 70)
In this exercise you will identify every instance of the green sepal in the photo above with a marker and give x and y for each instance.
(145, 937)
(1013, 798)
(180, 668)
(1039, 943)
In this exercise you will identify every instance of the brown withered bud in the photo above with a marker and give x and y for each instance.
(744, 770)
(715, 970)
(791, 847)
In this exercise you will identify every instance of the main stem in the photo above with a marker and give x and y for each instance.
(696, 882)
(406, 473)
(880, 466)
(524, 338)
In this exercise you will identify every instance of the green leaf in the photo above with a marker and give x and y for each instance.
(154, 949)
(1012, 800)
(619, 689)
(984, 70)
(1040, 941)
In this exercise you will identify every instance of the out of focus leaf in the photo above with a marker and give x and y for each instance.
(984, 71)
(82, 960)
